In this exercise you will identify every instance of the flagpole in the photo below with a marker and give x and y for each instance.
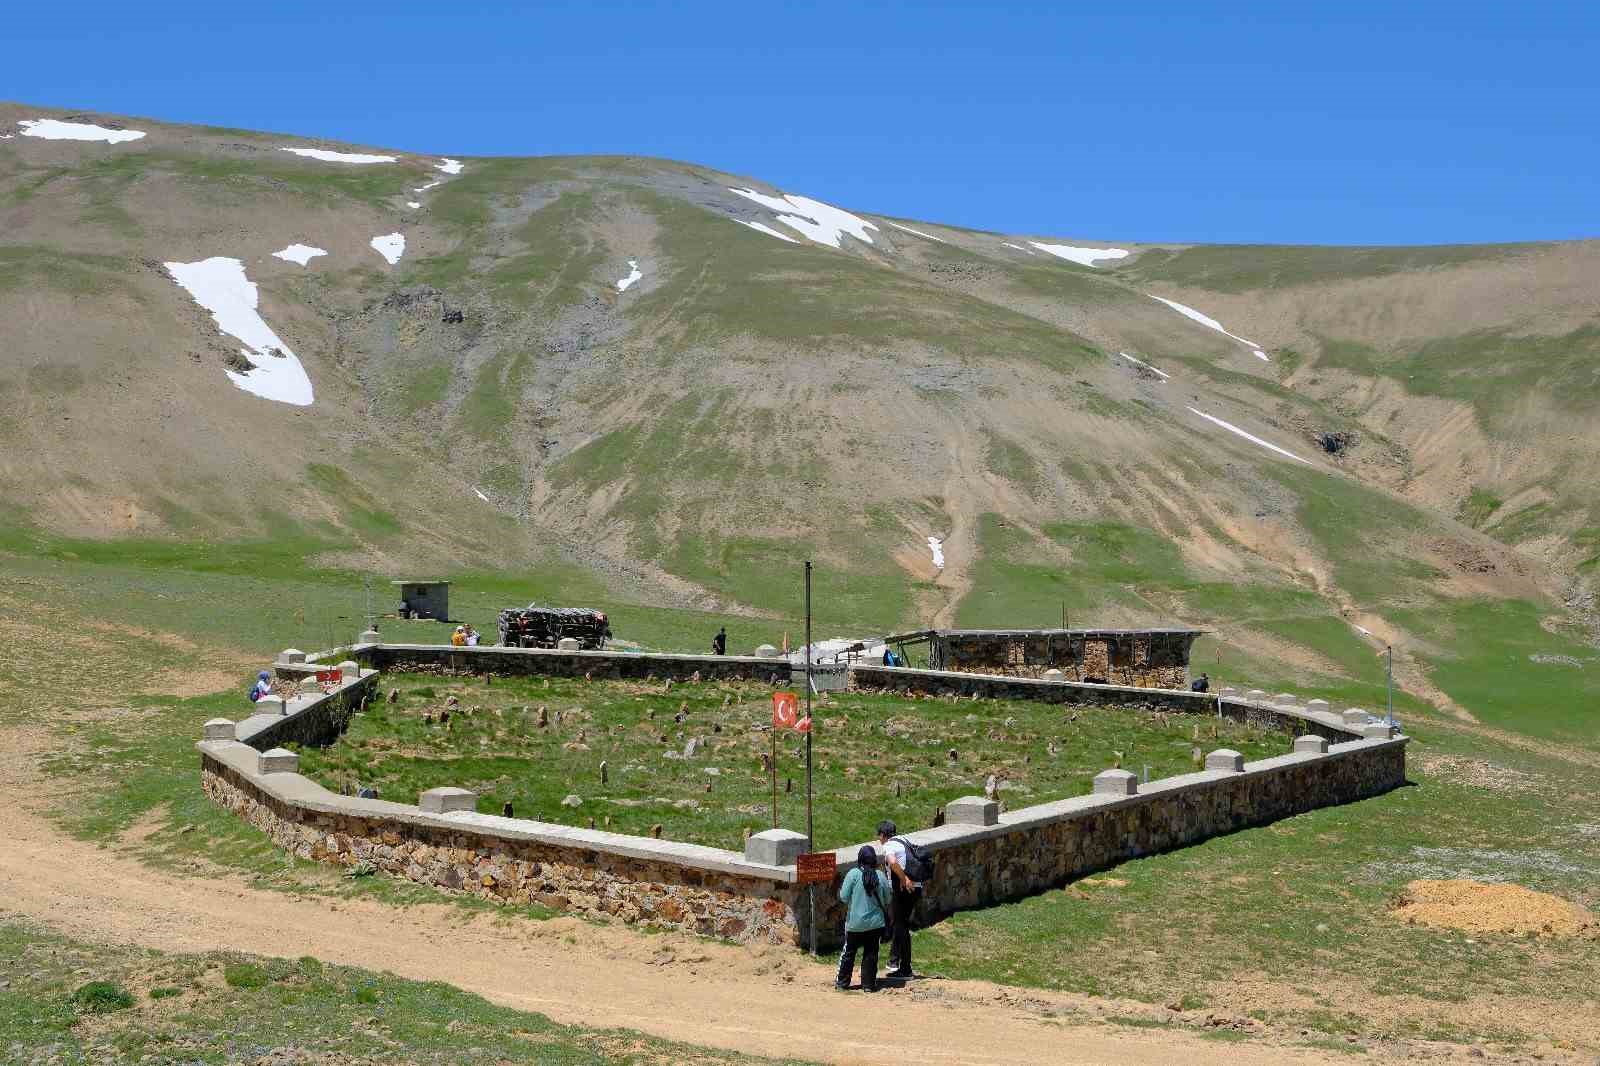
(811, 842)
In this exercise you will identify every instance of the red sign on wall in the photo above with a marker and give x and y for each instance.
(815, 868)
(330, 677)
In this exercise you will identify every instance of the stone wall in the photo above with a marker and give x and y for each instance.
(1039, 848)
(983, 856)
(546, 662)
(1282, 717)
(506, 860)
(310, 722)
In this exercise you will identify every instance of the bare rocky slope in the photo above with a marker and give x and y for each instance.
(686, 382)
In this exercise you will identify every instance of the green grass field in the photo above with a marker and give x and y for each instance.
(873, 756)
(1303, 904)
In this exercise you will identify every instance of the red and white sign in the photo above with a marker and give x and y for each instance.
(330, 677)
(785, 710)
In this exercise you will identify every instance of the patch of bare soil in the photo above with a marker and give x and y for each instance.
(1477, 773)
(1476, 907)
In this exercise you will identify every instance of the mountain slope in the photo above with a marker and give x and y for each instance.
(785, 379)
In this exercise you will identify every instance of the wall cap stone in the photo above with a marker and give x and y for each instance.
(221, 729)
(291, 655)
(775, 847)
(277, 761)
(972, 810)
(447, 800)
(1311, 743)
(1225, 759)
(1116, 783)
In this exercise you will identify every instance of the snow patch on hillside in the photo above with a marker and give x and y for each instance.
(391, 246)
(449, 166)
(53, 129)
(338, 157)
(1018, 247)
(768, 230)
(220, 286)
(936, 546)
(481, 496)
(1210, 323)
(299, 253)
(1147, 366)
(413, 204)
(1082, 256)
(431, 184)
(821, 222)
(1251, 437)
(635, 275)
(917, 232)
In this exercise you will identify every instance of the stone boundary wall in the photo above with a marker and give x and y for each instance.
(983, 856)
(507, 860)
(1282, 716)
(311, 721)
(990, 857)
(546, 662)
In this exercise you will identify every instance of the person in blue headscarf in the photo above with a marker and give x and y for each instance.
(865, 894)
(262, 687)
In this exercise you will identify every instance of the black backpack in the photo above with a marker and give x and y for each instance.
(919, 864)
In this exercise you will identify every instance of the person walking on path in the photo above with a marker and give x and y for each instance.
(906, 893)
(719, 643)
(865, 894)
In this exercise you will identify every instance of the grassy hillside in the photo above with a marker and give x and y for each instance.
(494, 407)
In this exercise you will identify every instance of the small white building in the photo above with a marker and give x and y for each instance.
(424, 599)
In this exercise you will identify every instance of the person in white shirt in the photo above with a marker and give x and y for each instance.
(906, 893)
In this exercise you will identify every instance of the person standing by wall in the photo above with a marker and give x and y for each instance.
(865, 894)
(906, 894)
(719, 643)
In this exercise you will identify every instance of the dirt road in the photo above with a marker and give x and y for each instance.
(765, 1001)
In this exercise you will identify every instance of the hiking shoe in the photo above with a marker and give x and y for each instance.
(898, 975)
(839, 986)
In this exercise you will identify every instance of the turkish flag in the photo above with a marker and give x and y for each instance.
(803, 725)
(785, 710)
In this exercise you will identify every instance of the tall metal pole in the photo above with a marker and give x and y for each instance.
(811, 842)
(1390, 649)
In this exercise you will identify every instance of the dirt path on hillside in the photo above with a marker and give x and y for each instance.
(761, 1000)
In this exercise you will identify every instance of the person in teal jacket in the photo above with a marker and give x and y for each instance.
(865, 894)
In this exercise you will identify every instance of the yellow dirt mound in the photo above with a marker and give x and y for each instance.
(1476, 907)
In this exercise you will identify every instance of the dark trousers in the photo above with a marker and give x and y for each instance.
(867, 943)
(900, 946)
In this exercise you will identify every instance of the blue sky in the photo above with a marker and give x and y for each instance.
(1339, 123)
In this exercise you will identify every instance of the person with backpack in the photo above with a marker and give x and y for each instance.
(262, 687)
(865, 894)
(1201, 684)
(719, 643)
(910, 867)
